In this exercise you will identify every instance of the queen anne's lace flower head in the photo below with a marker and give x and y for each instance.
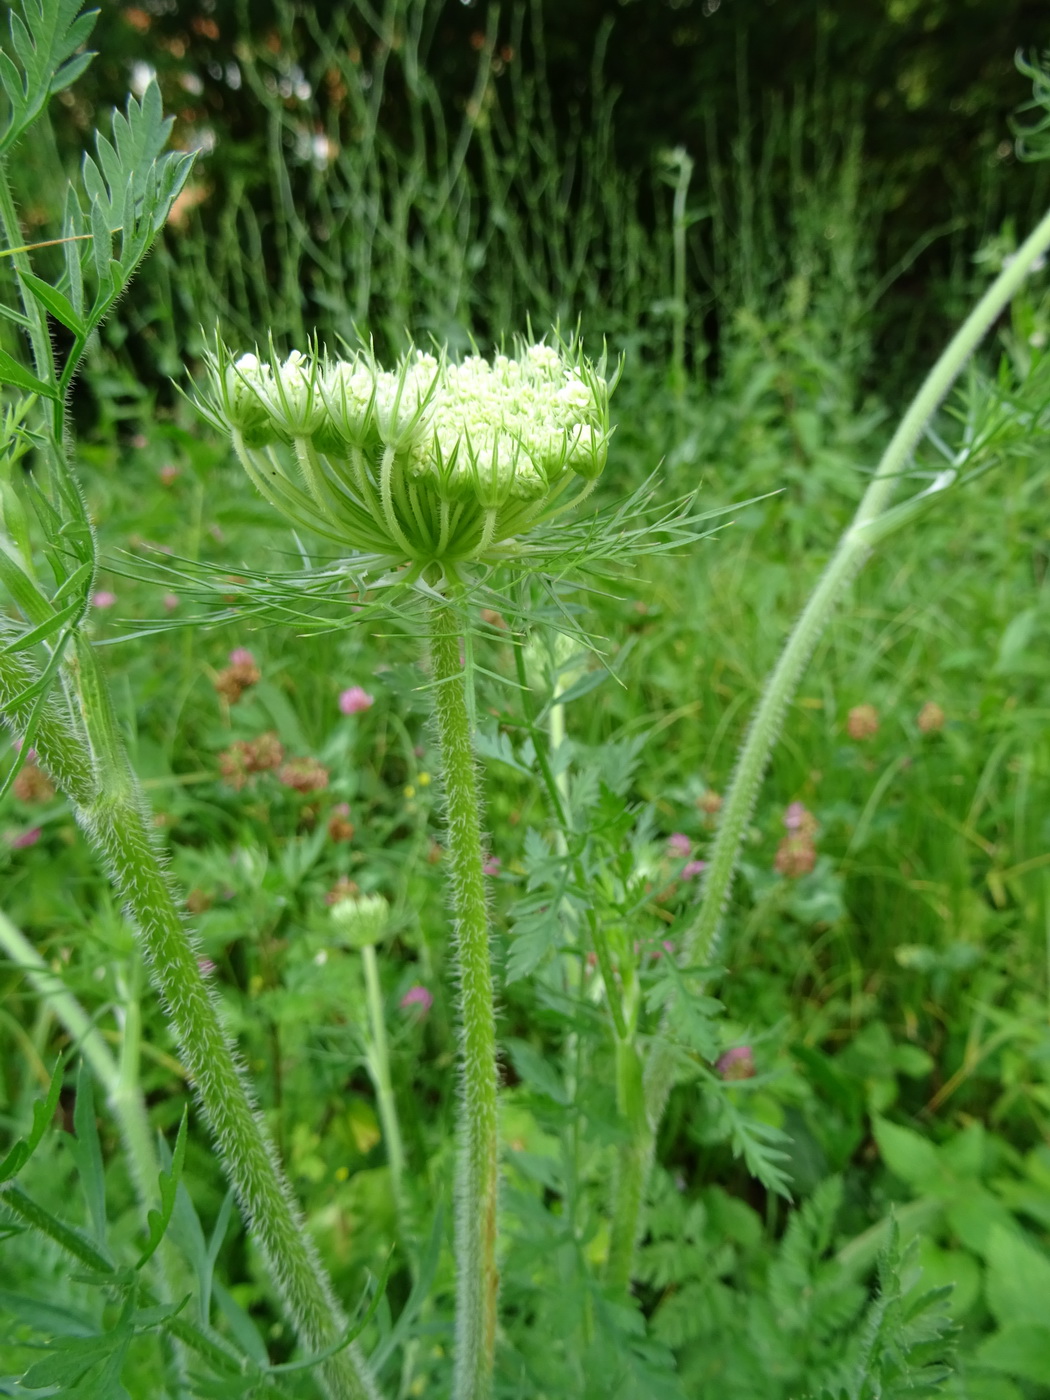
(429, 463)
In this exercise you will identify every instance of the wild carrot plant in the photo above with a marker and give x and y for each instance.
(464, 500)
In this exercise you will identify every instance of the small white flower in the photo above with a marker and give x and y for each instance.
(429, 463)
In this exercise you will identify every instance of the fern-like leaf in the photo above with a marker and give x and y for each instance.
(44, 42)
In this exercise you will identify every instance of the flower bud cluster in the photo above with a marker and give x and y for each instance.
(360, 921)
(430, 461)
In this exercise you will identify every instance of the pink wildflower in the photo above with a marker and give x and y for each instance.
(679, 845)
(170, 601)
(738, 1063)
(25, 839)
(795, 815)
(354, 700)
(692, 868)
(168, 474)
(862, 722)
(104, 598)
(417, 996)
(492, 865)
(241, 656)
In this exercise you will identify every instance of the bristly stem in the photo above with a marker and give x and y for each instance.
(871, 522)
(92, 768)
(477, 1280)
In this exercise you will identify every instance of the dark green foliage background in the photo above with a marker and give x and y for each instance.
(931, 85)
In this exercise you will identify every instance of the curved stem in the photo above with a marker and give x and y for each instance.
(477, 1280)
(97, 777)
(700, 941)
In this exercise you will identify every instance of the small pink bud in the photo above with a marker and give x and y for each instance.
(169, 473)
(693, 868)
(492, 865)
(738, 1063)
(679, 845)
(417, 996)
(206, 966)
(104, 598)
(26, 839)
(241, 656)
(170, 601)
(354, 700)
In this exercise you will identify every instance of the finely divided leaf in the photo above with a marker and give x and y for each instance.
(45, 44)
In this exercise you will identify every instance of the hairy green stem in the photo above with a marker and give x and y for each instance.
(379, 1064)
(867, 527)
(477, 1281)
(632, 1172)
(92, 769)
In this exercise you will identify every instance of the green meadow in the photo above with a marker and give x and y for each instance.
(847, 1191)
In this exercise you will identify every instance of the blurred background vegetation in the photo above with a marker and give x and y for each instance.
(366, 154)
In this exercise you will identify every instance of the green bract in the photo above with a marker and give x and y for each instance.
(429, 463)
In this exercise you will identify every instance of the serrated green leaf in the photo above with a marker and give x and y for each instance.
(536, 932)
(168, 1184)
(52, 300)
(493, 743)
(11, 372)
